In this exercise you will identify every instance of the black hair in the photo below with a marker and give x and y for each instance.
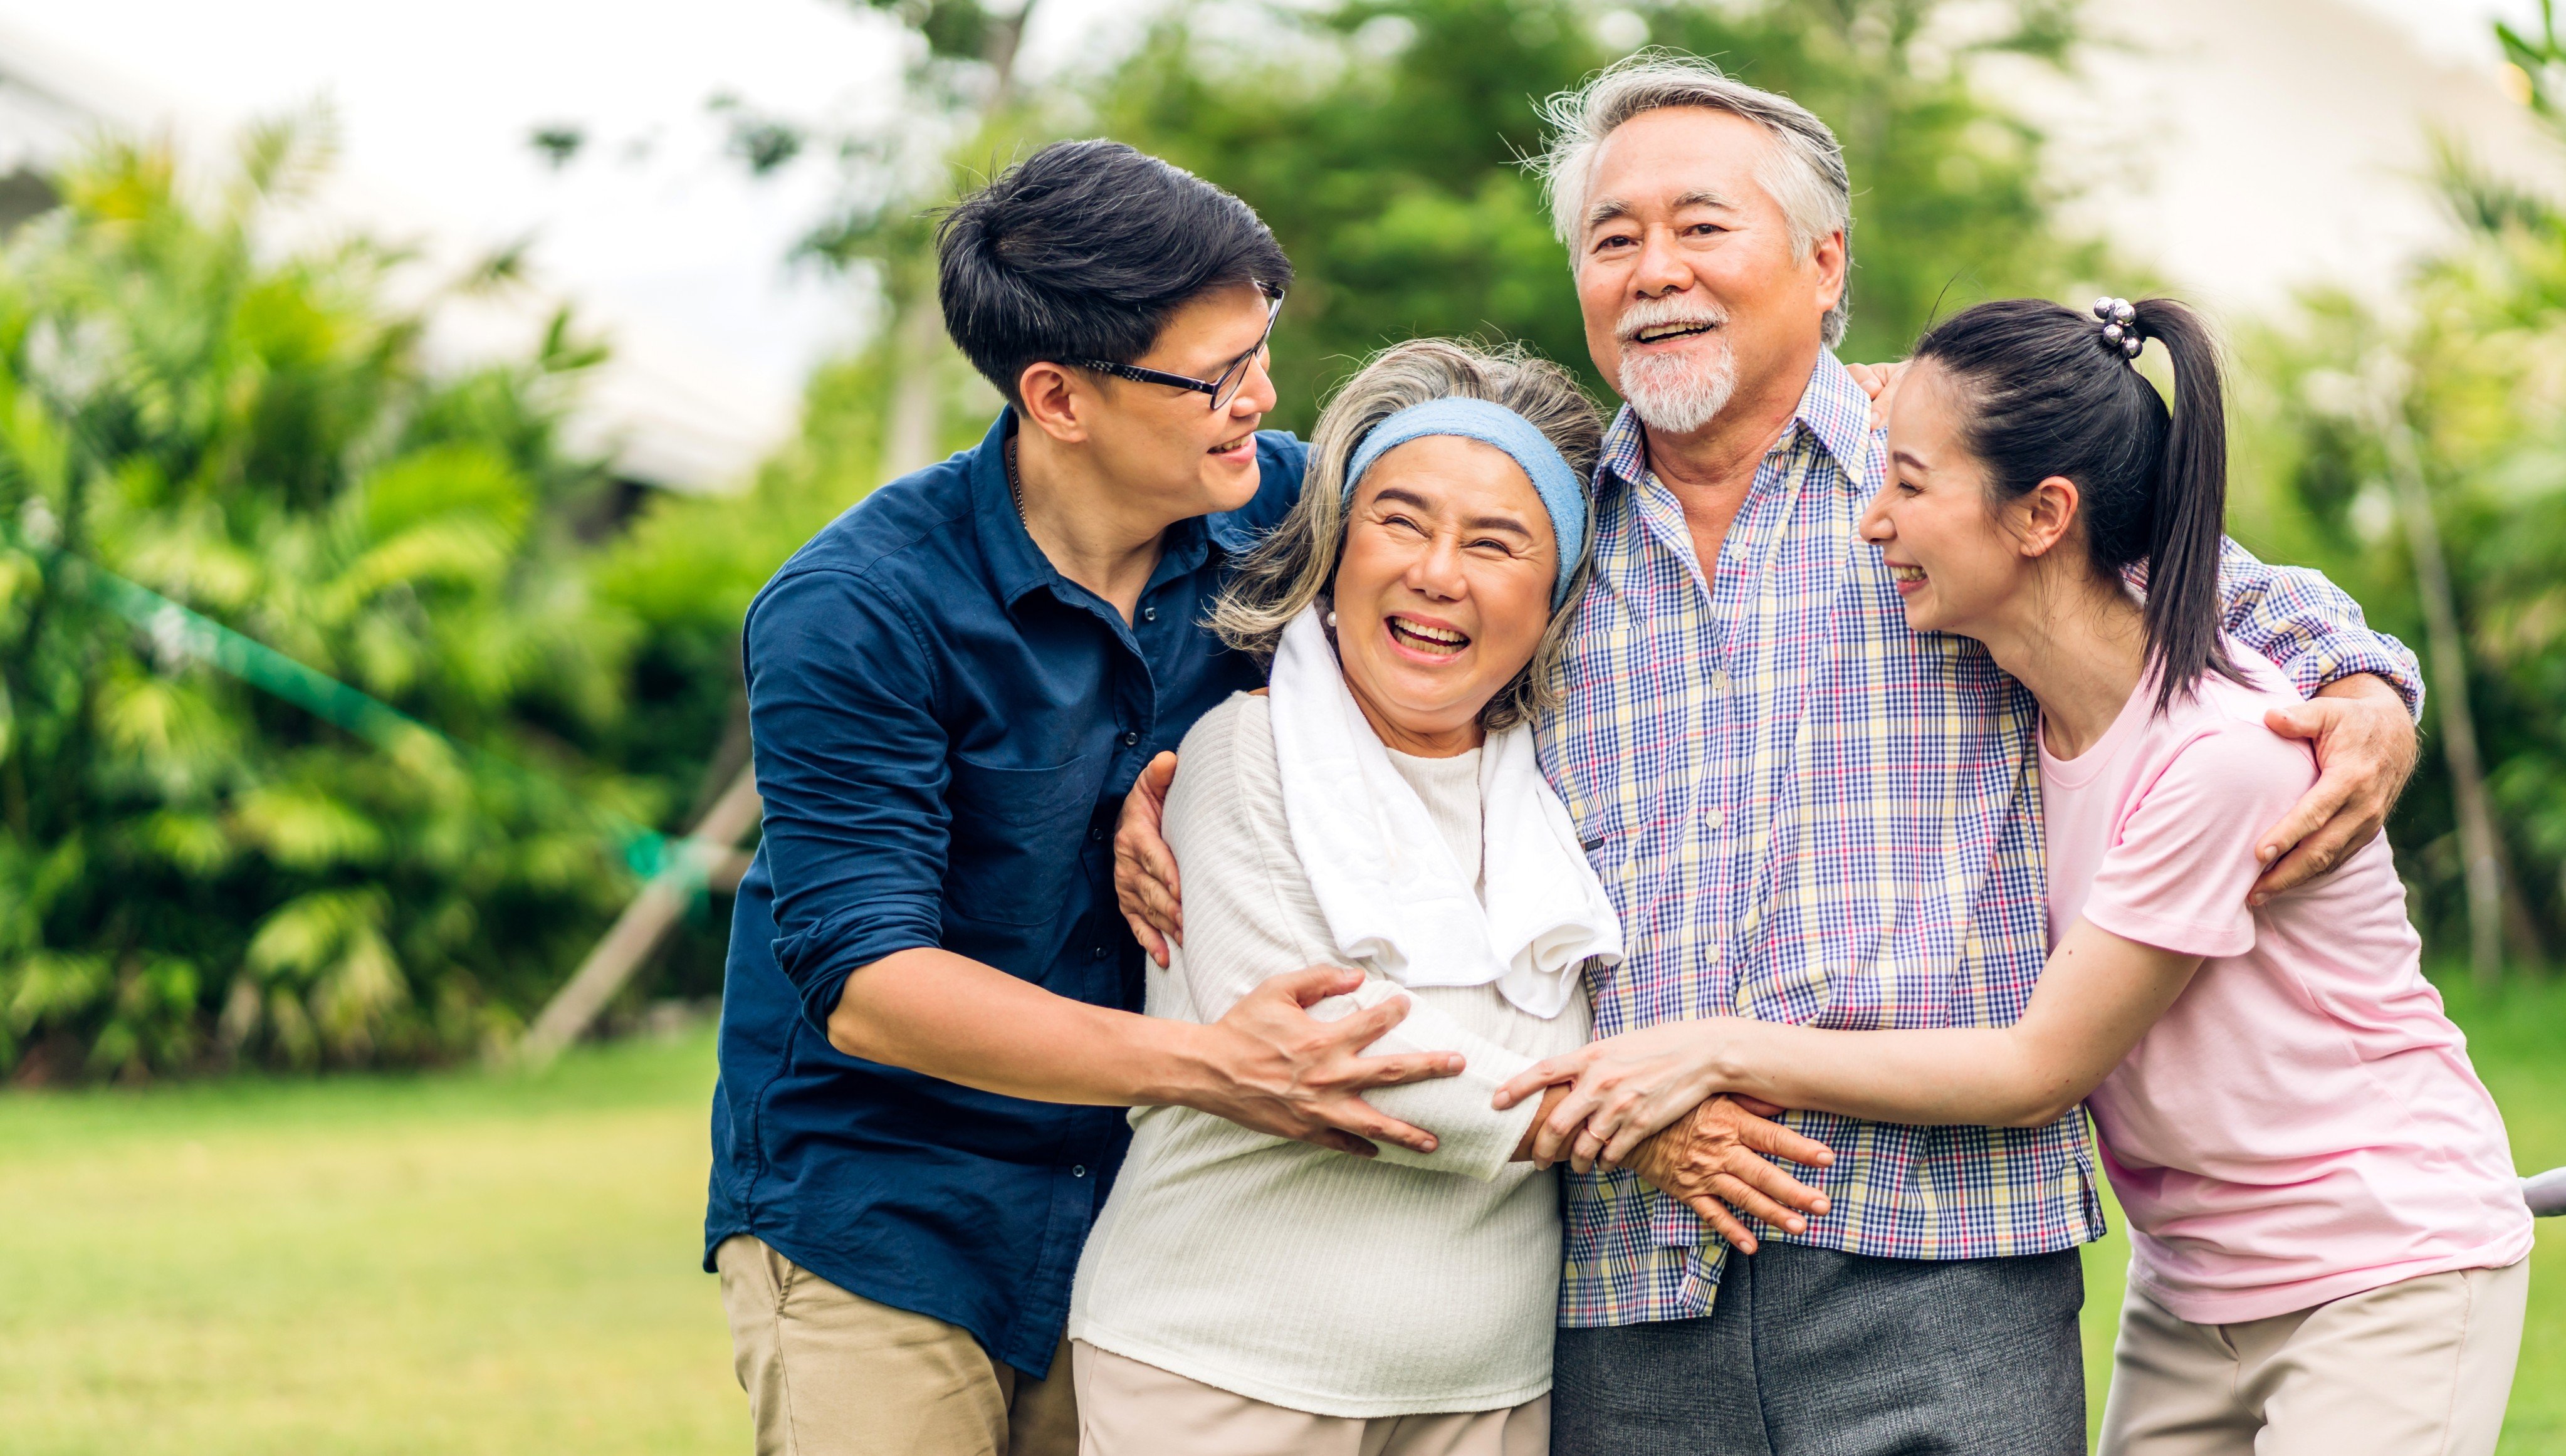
(1083, 250)
(2046, 393)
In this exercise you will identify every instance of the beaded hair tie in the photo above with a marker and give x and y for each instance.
(2120, 327)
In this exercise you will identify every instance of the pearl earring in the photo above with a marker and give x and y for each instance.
(1332, 621)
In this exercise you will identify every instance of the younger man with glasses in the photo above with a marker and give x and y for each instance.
(927, 1032)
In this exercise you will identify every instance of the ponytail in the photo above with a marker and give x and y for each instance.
(2189, 521)
(2051, 392)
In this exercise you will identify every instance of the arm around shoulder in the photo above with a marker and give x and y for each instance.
(2310, 629)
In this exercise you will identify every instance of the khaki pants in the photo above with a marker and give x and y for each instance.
(2421, 1367)
(830, 1374)
(1127, 1408)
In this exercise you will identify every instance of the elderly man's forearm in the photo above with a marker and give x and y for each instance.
(953, 1018)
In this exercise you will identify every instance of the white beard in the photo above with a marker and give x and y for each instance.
(1680, 394)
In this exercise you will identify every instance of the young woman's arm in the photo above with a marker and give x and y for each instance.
(2098, 995)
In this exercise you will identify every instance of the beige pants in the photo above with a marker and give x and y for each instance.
(1127, 1408)
(2421, 1367)
(830, 1374)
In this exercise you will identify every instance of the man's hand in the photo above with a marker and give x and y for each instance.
(1145, 869)
(2365, 743)
(1711, 1158)
(1273, 1068)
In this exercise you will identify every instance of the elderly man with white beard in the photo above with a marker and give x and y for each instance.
(1804, 811)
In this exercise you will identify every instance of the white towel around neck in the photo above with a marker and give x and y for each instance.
(1384, 878)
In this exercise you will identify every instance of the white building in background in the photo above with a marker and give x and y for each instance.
(668, 408)
(2251, 148)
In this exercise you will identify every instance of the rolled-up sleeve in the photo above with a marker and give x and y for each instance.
(851, 761)
(2309, 628)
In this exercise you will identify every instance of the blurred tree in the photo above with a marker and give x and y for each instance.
(2425, 459)
(1385, 146)
(195, 872)
(964, 84)
(684, 572)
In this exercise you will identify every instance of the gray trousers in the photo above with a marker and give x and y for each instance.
(1812, 1353)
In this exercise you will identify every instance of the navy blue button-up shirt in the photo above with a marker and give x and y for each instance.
(946, 727)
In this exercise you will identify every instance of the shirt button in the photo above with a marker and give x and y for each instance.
(1101, 952)
(1131, 739)
(1715, 817)
(1098, 832)
(1148, 614)
(1719, 680)
(1078, 1170)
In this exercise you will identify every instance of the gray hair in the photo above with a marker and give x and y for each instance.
(1804, 171)
(1297, 564)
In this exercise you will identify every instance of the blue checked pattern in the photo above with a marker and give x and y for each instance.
(1807, 812)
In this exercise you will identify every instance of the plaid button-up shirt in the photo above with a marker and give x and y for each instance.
(1807, 812)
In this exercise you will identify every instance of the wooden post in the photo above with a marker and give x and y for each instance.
(708, 851)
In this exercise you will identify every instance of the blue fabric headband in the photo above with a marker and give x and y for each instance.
(1562, 493)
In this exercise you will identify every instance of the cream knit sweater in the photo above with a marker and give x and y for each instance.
(1286, 1273)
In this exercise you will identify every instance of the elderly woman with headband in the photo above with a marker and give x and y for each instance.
(1382, 809)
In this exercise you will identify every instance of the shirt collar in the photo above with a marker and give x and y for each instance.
(1016, 565)
(1833, 410)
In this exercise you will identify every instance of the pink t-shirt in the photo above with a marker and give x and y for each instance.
(2303, 1123)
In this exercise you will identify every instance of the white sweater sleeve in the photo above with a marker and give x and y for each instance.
(1250, 914)
(1472, 1135)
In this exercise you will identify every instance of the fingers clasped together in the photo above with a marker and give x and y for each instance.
(1637, 1102)
(1640, 1101)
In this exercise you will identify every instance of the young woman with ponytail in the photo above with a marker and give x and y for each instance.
(2328, 1238)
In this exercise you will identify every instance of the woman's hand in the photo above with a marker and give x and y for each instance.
(1880, 381)
(1709, 1160)
(1628, 1086)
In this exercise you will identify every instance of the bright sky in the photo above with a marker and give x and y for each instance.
(2457, 29)
(435, 106)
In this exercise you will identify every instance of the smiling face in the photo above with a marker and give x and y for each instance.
(1166, 444)
(1960, 562)
(1443, 589)
(1687, 272)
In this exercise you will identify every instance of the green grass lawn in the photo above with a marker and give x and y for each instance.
(461, 1263)
(499, 1263)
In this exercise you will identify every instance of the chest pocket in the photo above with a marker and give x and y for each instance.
(1017, 835)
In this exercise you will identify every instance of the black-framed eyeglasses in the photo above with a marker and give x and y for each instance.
(1221, 391)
